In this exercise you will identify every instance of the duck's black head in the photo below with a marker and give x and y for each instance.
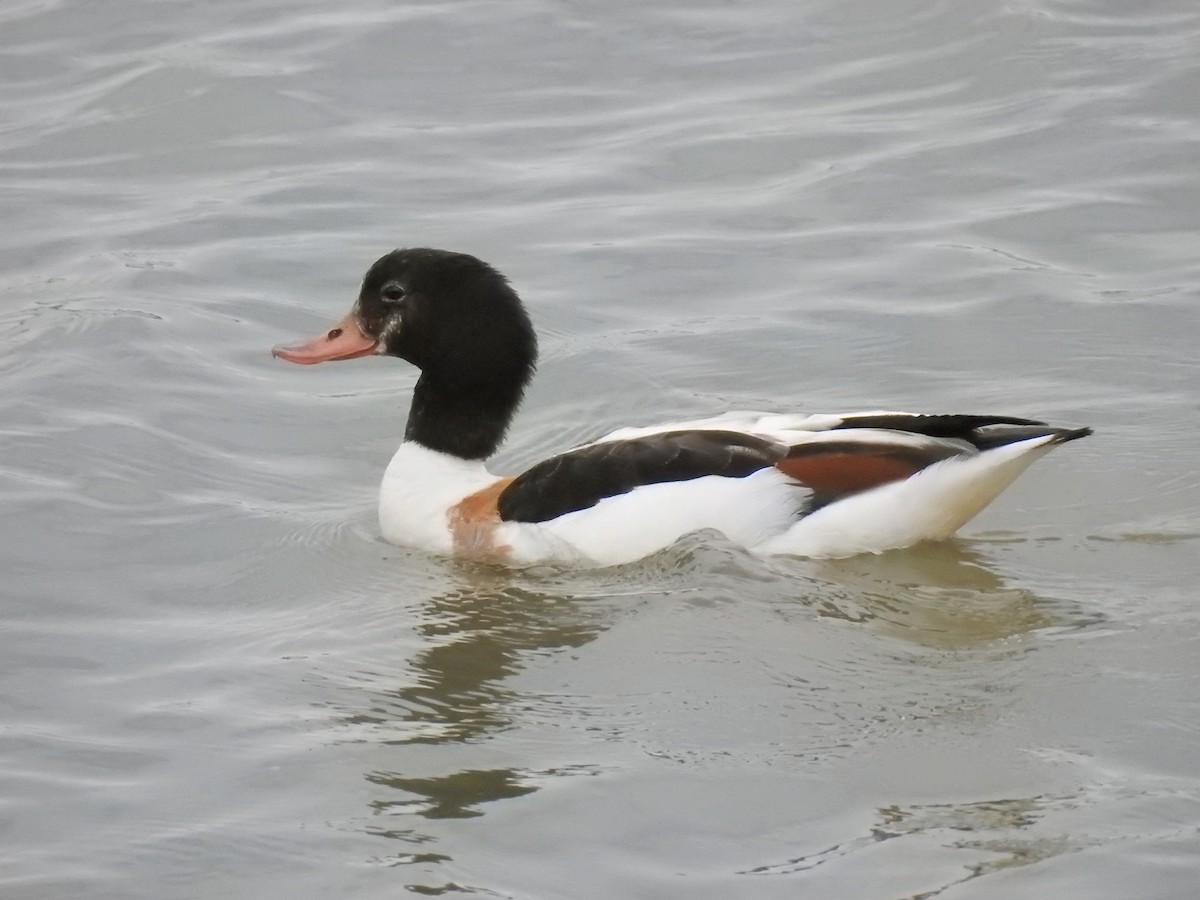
(458, 320)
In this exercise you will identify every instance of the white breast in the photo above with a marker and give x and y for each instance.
(419, 487)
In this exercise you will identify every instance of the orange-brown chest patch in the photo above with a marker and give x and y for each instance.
(475, 520)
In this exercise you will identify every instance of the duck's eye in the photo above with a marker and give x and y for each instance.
(392, 291)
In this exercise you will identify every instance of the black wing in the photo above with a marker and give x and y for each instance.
(579, 479)
(984, 432)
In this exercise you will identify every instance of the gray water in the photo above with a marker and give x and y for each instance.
(216, 680)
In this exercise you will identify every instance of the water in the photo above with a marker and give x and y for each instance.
(216, 681)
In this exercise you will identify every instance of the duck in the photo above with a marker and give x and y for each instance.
(813, 485)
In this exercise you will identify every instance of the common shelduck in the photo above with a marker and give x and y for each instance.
(810, 485)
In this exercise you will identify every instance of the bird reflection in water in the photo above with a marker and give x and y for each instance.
(944, 596)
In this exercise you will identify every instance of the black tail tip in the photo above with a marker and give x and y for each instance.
(1071, 434)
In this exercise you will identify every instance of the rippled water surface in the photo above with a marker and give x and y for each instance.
(216, 680)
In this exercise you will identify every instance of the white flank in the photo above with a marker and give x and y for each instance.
(629, 526)
(931, 505)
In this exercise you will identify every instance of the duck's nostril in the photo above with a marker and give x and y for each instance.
(334, 334)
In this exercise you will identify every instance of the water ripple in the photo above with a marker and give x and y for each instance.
(215, 675)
